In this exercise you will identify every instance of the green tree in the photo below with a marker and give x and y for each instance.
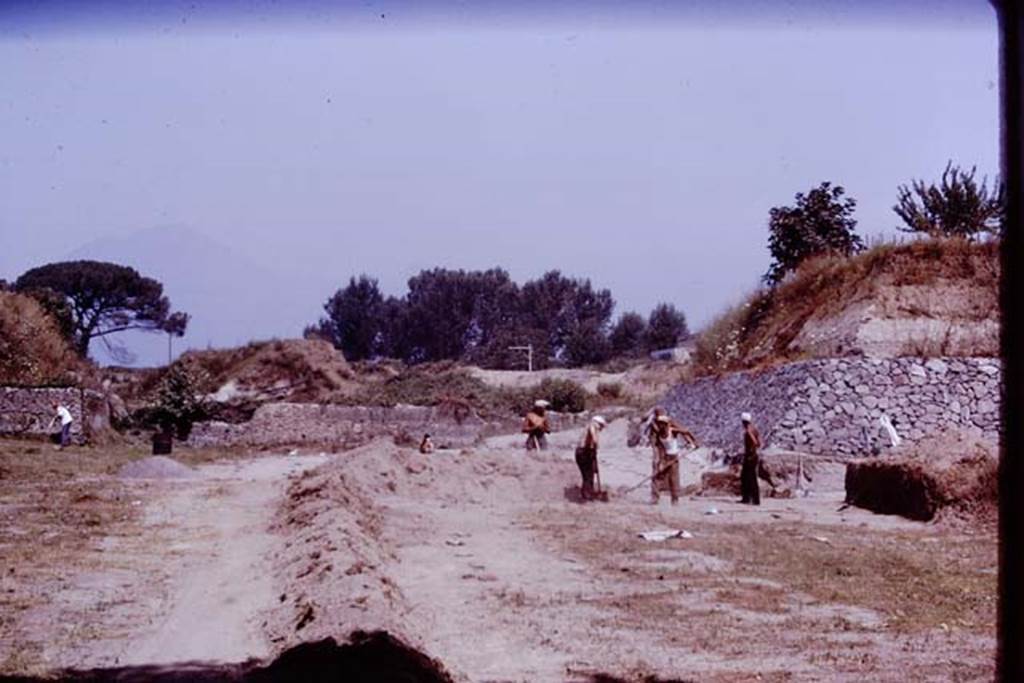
(666, 327)
(821, 223)
(354, 320)
(101, 299)
(179, 401)
(587, 344)
(627, 336)
(450, 313)
(564, 307)
(957, 207)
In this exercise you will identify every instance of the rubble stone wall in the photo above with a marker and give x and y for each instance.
(276, 424)
(27, 411)
(834, 406)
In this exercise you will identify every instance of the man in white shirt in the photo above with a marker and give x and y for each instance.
(64, 415)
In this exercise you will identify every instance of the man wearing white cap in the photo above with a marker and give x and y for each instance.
(749, 488)
(665, 467)
(536, 426)
(586, 456)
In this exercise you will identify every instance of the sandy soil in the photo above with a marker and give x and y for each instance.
(182, 581)
(482, 559)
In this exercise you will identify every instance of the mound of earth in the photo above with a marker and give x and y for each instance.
(156, 467)
(32, 349)
(333, 564)
(292, 369)
(924, 298)
(949, 474)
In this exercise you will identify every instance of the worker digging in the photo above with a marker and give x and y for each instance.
(586, 460)
(664, 438)
(536, 426)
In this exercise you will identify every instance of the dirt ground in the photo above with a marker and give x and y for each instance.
(482, 559)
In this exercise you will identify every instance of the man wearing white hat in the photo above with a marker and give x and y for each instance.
(586, 456)
(749, 487)
(665, 467)
(536, 426)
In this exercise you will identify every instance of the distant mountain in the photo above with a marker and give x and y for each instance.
(232, 300)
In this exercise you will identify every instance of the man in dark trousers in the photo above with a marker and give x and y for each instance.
(586, 457)
(536, 426)
(749, 487)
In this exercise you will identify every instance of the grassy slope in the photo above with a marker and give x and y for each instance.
(760, 331)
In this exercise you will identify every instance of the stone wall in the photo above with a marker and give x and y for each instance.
(833, 406)
(335, 426)
(27, 411)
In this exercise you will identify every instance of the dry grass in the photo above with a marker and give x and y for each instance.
(32, 350)
(767, 597)
(916, 581)
(760, 330)
(58, 510)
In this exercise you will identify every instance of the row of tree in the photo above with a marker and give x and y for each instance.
(822, 220)
(479, 316)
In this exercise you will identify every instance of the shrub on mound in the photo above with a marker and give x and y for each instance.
(565, 395)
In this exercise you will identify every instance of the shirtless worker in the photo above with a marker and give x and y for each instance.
(749, 487)
(665, 466)
(536, 426)
(586, 456)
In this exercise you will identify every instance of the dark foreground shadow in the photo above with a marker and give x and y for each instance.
(572, 494)
(376, 656)
(604, 678)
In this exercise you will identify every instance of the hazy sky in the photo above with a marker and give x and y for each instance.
(640, 148)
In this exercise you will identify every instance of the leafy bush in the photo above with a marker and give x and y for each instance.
(609, 389)
(179, 400)
(565, 395)
(957, 207)
(436, 384)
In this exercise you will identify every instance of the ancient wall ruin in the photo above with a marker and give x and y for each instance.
(27, 411)
(338, 426)
(833, 406)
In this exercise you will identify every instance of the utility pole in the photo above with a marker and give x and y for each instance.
(529, 354)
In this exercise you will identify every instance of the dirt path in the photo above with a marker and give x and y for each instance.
(215, 538)
(185, 583)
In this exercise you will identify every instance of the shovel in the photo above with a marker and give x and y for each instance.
(599, 493)
(646, 479)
